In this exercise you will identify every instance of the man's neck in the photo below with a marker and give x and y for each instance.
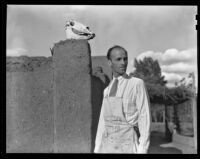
(118, 75)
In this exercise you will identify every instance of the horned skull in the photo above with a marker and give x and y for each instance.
(76, 30)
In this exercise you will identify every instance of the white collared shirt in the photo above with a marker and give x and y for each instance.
(136, 109)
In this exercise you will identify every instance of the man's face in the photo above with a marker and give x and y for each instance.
(118, 61)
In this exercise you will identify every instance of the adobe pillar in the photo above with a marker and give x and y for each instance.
(72, 96)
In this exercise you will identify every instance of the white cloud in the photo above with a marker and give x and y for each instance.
(16, 52)
(171, 56)
(172, 77)
(180, 67)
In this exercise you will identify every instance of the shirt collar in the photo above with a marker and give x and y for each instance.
(121, 77)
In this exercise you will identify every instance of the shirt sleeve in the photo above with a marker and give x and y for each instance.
(144, 118)
(100, 131)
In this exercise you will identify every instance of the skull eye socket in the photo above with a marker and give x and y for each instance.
(72, 23)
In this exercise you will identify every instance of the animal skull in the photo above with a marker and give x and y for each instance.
(76, 30)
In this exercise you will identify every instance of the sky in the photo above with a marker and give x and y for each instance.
(166, 33)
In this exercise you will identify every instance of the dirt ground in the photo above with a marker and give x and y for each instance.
(159, 145)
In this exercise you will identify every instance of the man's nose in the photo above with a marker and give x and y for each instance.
(123, 62)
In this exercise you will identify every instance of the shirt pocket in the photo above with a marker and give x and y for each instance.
(129, 107)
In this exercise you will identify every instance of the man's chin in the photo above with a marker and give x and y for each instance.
(122, 72)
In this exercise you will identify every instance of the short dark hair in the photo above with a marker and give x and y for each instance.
(112, 48)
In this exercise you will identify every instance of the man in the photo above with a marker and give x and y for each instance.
(125, 106)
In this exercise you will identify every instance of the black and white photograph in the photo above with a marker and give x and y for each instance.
(101, 79)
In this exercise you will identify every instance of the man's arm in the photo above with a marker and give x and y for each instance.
(100, 131)
(144, 118)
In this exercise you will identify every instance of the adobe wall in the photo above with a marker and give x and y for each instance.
(72, 96)
(49, 103)
(29, 105)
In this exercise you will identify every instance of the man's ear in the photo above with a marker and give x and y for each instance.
(109, 63)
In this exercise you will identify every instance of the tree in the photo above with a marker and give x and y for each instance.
(149, 70)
